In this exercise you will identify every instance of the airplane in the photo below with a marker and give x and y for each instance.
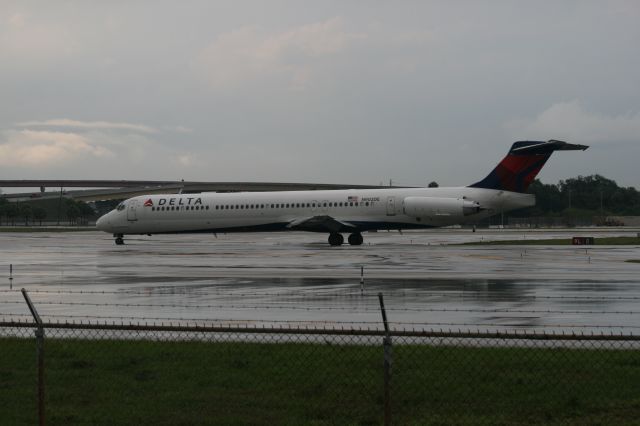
(351, 211)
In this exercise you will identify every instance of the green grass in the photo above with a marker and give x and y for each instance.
(182, 383)
(633, 261)
(46, 229)
(599, 241)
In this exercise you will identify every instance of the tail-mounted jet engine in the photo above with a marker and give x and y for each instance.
(436, 206)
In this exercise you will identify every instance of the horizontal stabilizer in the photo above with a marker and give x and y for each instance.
(533, 148)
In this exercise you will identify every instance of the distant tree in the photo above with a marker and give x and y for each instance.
(594, 194)
(25, 210)
(106, 206)
(3, 208)
(11, 212)
(549, 199)
(85, 211)
(72, 211)
(433, 184)
(39, 214)
(598, 193)
(78, 211)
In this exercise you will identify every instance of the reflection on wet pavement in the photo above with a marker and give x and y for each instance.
(296, 278)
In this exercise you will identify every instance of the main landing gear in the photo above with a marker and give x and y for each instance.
(355, 239)
(119, 239)
(336, 239)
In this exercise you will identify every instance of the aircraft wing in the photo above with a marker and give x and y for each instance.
(321, 224)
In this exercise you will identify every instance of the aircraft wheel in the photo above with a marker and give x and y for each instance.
(119, 241)
(355, 239)
(336, 239)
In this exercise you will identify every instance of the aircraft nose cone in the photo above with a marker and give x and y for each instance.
(103, 223)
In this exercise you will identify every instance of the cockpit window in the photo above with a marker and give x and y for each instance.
(120, 207)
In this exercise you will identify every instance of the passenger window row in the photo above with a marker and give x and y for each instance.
(263, 206)
(170, 208)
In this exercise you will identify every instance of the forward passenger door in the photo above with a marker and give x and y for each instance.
(131, 210)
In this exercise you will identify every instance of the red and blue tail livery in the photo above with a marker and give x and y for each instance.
(522, 164)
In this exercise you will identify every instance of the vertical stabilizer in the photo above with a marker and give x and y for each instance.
(522, 164)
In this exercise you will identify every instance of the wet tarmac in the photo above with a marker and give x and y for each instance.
(297, 279)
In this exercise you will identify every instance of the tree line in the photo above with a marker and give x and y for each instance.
(592, 195)
(35, 212)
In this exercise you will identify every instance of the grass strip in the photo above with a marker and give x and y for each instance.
(599, 241)
(167, 383)
(29, 229)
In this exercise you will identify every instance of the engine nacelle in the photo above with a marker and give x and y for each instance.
(436, 206)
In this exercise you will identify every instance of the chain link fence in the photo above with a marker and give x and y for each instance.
(155, 374)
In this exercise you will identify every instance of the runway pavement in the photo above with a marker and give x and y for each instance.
(297, 279)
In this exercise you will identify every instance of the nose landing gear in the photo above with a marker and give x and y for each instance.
(119, 239)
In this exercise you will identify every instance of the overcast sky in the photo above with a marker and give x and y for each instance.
(316, 91)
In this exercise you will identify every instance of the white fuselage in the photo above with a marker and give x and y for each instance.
(361, 210)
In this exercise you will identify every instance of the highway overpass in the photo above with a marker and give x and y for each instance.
(95, 190)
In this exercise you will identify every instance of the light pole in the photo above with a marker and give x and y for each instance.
(59, 205)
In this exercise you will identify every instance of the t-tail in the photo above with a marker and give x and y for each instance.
(522, 164)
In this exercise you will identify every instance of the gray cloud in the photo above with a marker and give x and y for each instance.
(570, 121)
(29, 148)
(65, 122)
(330, 91)
(246, 54)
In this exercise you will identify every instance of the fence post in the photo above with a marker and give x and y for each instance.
(39, 354)
(388, 361)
